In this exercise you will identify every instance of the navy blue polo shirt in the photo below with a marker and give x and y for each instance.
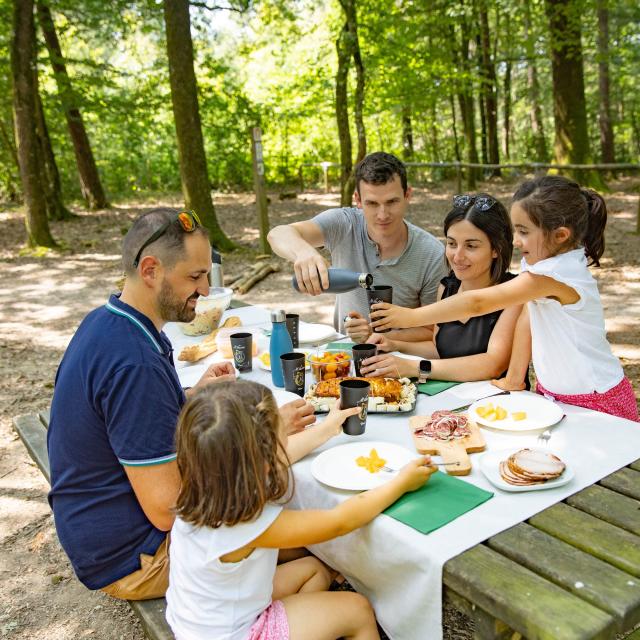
(116, 402)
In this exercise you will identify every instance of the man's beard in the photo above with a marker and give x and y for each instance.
(171, 308)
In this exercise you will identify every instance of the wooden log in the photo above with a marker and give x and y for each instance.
(259, 275)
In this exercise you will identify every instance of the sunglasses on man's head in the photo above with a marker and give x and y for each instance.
(479, 203)
(188, 221)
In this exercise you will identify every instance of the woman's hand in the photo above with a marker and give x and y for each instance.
(391, 316)
(357, 327)
(415, 474)
(508, 385)
(387, 366)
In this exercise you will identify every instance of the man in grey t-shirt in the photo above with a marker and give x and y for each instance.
(373, 238)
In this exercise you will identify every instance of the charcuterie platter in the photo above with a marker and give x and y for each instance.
(449, 435)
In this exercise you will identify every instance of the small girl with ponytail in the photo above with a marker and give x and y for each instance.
(559, 228)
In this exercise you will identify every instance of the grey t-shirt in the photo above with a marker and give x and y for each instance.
(414, 275)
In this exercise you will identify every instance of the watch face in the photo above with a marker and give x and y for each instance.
(425, 366)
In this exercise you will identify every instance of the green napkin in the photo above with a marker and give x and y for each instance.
(431, 387)
(340, 346)
(441, 500)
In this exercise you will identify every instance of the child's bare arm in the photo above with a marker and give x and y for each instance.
(294, 528)
(520, 355)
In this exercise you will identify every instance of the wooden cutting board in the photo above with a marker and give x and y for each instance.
(451, 450)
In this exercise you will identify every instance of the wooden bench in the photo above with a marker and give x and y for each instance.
(572, 572)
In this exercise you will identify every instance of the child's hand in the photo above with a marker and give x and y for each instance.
(416, 473)
(297, 415)
(336, 417)
(384, 343)
(507, 385)
(390, 316)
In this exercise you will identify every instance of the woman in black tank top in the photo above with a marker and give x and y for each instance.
(479, 246)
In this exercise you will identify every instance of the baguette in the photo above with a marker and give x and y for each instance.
(195, 352)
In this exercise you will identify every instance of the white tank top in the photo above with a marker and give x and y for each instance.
(208, 598)
(571, 354)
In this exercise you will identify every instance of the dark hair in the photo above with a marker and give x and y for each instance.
(554, 201)
(230, 456)
(495, 223)
(379, 168)
(169, 247)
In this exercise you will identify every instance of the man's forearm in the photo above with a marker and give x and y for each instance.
(287, 242)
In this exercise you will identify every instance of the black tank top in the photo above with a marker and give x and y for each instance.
(456, 339)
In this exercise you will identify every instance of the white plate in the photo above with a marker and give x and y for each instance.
(306, 352)
(541, 413)
(315, 333)
(337, 467)
(283, 397)
(490, 466)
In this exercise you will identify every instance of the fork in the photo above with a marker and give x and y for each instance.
(432, 464)
(545, 436)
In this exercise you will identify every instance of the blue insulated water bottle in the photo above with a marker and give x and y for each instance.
(280, 343)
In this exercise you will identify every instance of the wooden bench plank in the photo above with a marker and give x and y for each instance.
(533, 606)
(586, 577)
(33, 434)
(635, 465)
(610, 506)
(625, 480)
(600, 539)
(151, 614)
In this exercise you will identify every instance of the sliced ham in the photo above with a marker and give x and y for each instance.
(531, 466)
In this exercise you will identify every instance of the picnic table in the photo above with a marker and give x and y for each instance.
(568, 571)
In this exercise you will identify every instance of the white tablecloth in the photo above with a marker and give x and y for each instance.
(400, 569)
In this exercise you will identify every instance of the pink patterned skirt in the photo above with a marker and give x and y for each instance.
(272, 624)
(618, 401)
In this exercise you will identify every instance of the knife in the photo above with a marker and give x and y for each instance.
(464, 407)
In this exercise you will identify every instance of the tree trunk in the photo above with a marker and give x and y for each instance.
(48, 167)
(507, 109)
(456, 145)
(537, 124)
(194, 174)
(606, 128)
(407, 134)
(433, 128)
(90, 184)
(483, 130)
(24, 105)
(342, 114)
(569, 106)
(489, 92)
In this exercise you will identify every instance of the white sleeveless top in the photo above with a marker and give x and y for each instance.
(208, 598)
(571, 354)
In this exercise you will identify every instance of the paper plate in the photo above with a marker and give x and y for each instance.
(490, 466)
(315, 333)
(541, 413)
(337, 467)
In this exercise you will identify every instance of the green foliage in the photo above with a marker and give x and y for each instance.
(272, 63)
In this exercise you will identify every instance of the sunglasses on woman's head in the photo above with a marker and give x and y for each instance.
(479, 203)
(188, 221)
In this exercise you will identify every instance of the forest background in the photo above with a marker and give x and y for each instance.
(110, 108)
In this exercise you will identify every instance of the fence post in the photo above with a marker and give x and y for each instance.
(301, 179)
(458, 177)
(325, 171)
(259, 188)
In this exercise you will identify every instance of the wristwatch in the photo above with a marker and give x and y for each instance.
(425, 371)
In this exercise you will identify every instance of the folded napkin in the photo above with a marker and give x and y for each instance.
(441, 500)
(431, 387)
(341, 346)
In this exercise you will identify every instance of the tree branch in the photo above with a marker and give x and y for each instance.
(215, 7)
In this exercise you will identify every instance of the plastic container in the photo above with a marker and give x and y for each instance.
(341, 280)
(330, 364)
(280, 343)
(208, 312)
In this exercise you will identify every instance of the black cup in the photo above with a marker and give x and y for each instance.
(242, 348)
(293, 365)
(354, 393)
(293, 325)
(362, 352)
(380, 293)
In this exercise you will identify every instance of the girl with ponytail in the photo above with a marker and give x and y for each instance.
(559, 229)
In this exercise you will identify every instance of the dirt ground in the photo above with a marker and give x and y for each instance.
(42, 300)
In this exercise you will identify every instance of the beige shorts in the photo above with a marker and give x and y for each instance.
(148, 582)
